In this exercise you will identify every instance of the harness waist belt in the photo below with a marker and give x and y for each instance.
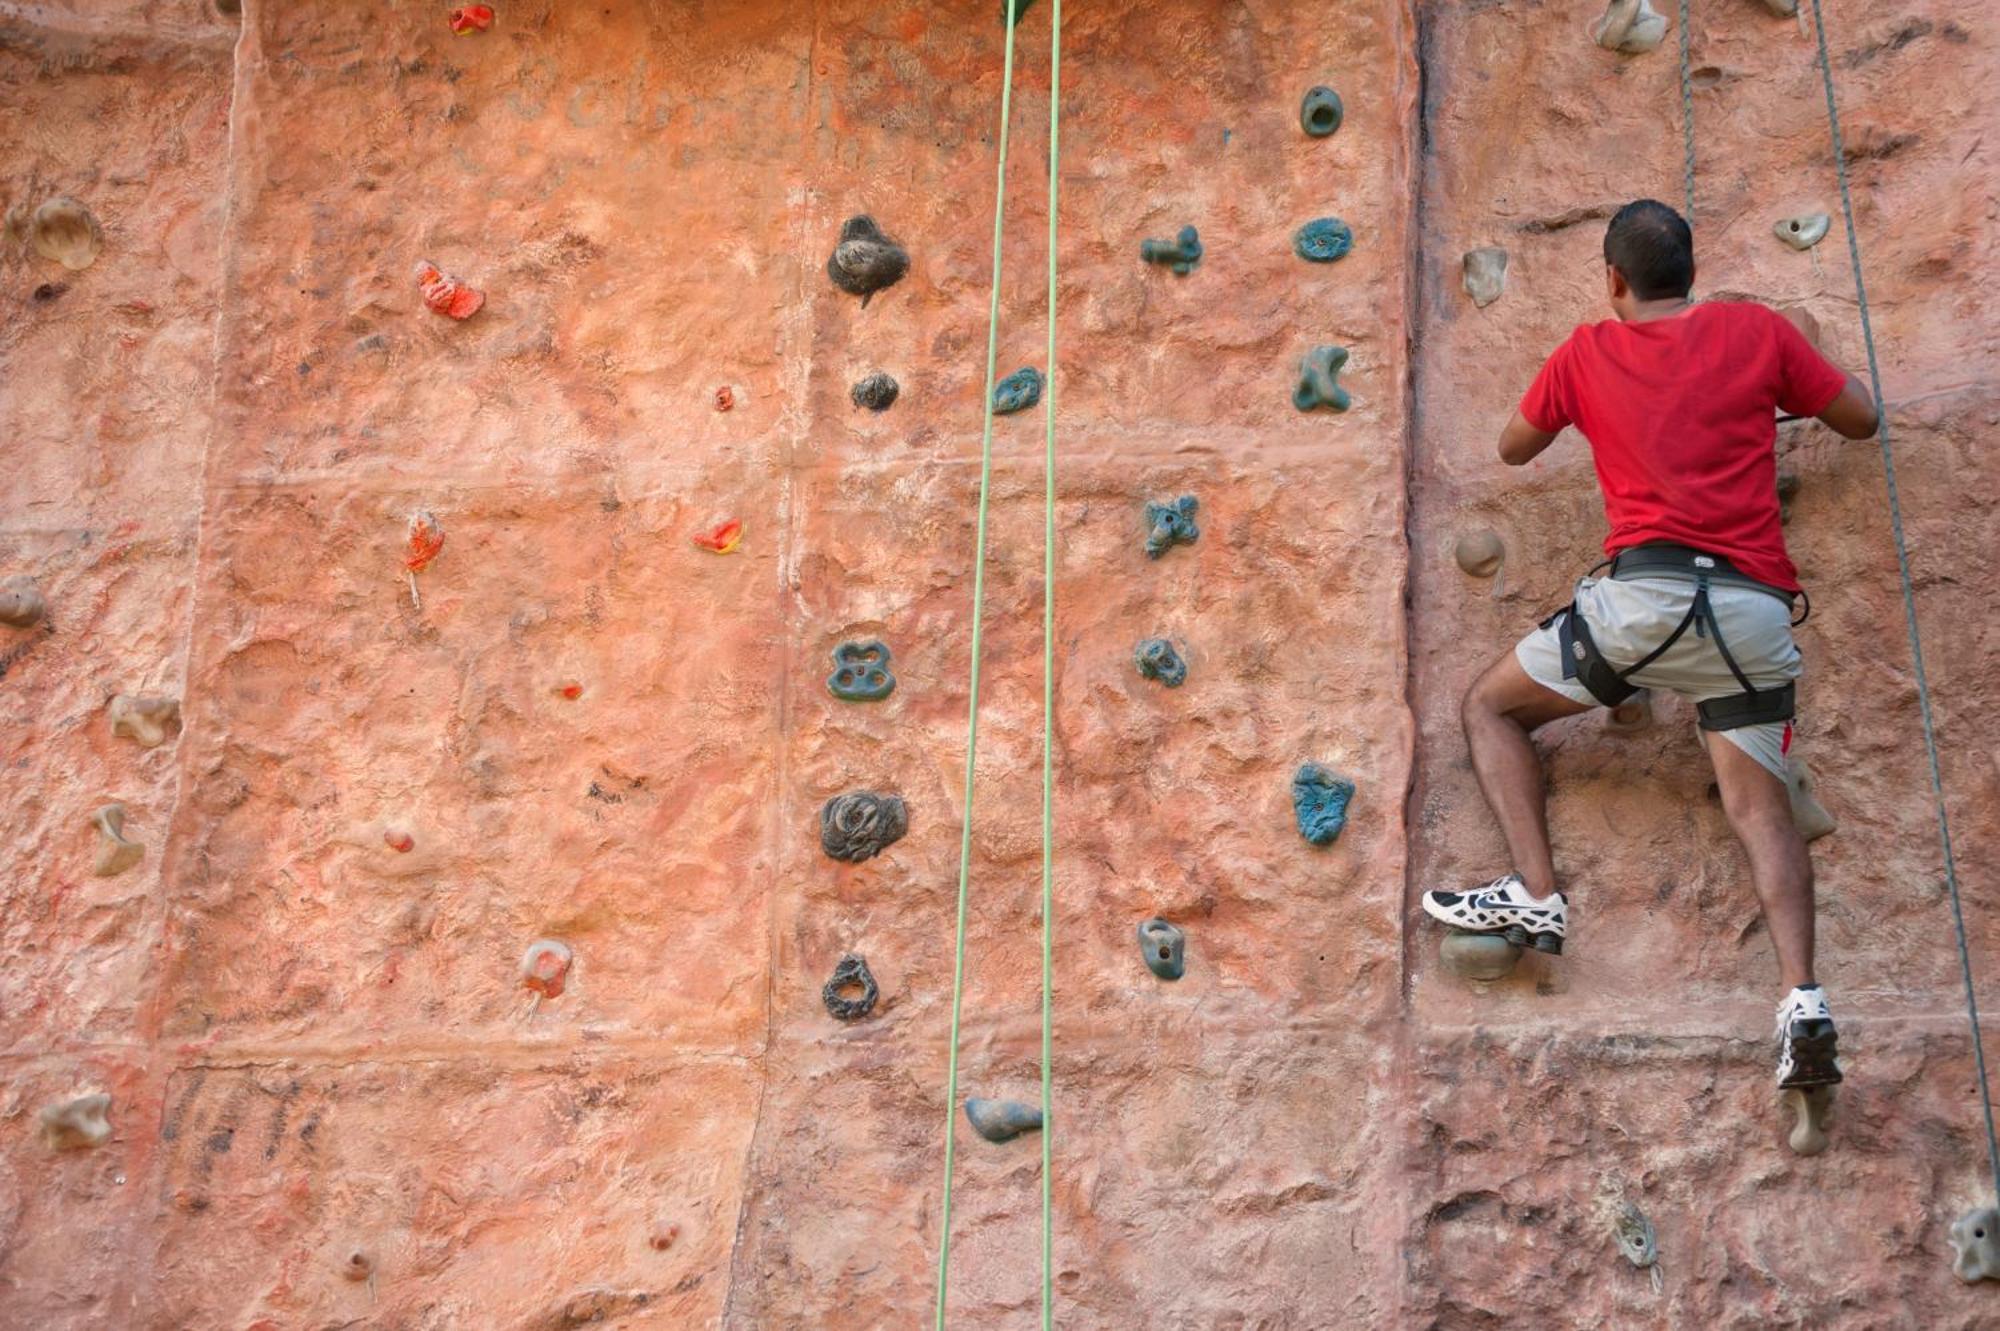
(1687, 562)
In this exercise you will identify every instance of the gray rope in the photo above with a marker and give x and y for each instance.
(1687, 118)
(1909, 597)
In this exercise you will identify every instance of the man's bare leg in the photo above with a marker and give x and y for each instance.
(1501, 710)
(1760, 810)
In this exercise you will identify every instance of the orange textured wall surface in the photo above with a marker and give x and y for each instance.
(333, 1102)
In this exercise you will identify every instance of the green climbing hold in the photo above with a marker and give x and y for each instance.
(1319, 380)
(1019, 8)
(1320, 113)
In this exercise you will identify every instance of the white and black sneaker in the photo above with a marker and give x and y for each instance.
(1505, 906)
(1807, 1041)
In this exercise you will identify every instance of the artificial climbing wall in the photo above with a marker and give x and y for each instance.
(333, 1100)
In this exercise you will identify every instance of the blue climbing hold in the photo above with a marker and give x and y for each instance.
(1179, 254)
(1323, 240)
(1319, 380)
(1017, 391)
(861, 672)
(1169, 525)
(1320, 800)
(1002, 1120)
(1164, 948)
(1157, 659)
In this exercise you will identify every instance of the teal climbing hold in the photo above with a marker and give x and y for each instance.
(1180, 254)
(1320, 113)
(1002, 1120)
(1323, 240)
(861, 672)
(1018, 391)
(1319, 380)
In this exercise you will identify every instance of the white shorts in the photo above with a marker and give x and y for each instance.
(1629, 617)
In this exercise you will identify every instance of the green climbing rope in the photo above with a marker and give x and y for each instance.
(972, 706)
(1909, 596)
(1049, 692)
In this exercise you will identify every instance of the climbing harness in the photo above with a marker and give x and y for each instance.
(1583, 662)
(1010, 19)
(1909, 596)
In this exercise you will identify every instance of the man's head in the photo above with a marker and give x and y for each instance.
(1648, 255)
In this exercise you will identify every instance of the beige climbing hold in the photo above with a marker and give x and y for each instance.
(1632, 715)
(21, 603)
(115, 853)
(1808, 814)
(150, 720)
(64, 230)
(1485, 274)
(1630, 26)
(1813, 1111)
(1804, 231)
(1975, 1245)
(1472, 956)
(545, 967)
(75, 1125)
(1479, 552)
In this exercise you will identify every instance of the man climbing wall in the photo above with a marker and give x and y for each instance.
(1677, 402)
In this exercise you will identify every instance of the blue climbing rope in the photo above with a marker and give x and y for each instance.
(1909, 595)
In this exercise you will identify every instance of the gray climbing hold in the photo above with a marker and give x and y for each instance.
(860, 825)
(1975, 1238)
(1002, 1120)
(877, 392)
(1180, 254)
(1019, 390)
(866, 260)
(1169, 525)
(1631, 716)
(1631, 26)
(1323, 240)
(77, 1124)
(1479, 553)
(1473, 956)
(1808, 814)
(1783, 8)
(1319, 380)
(1485, 274)
(1804, 231)
(1319, 800)
(1164, 947)
(1320, 112)
(861, 672)
(21, 603)
(1813, 1111)
(115, 853)
(1157, 659)
(149, 720)
(850, 992)
(1633, 1233)
(64, 230)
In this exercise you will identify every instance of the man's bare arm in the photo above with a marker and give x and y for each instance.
(1852, 415)
(1521, 442)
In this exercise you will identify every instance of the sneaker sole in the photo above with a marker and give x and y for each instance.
(1814, 1047)
(1517, 934)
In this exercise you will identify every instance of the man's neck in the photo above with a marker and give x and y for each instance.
(1645, 311)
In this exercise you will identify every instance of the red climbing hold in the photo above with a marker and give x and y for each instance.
(447, 295)
(572, 690)
(725, 398)
(721, 538)
(426, 539)
(398, 840)
(545, 967)
(471, 18)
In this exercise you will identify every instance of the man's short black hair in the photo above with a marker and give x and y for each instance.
(1652, 245)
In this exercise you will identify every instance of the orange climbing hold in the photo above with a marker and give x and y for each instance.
(471, 18)
(447, 295)
(721, 538)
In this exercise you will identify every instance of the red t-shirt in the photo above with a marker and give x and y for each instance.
(1679, 416)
